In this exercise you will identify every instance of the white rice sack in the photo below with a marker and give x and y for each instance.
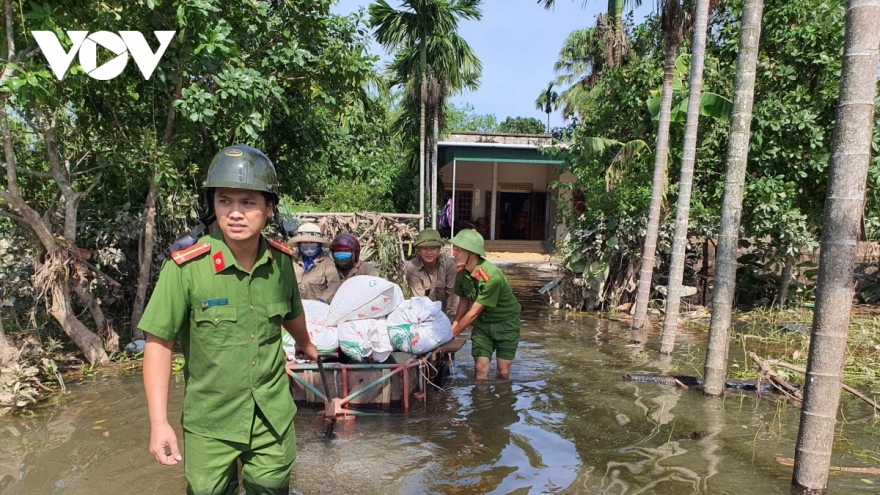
(322, 335)
(354, 339)
(380, 340)
(419, 325)
(288, 344)
(362, 297)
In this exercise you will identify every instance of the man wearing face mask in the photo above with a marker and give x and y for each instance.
(486, 303)
(346, 252)
(315, 271)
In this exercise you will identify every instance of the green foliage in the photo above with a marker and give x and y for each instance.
(464, 118)
(796, 94)
(521, 125)
(287, 77)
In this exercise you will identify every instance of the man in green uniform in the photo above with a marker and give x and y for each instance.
(431, 273)
(487, 304)
(224, 299)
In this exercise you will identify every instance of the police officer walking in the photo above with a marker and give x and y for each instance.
(224, 299)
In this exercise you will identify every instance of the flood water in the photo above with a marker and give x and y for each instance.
(565, 423)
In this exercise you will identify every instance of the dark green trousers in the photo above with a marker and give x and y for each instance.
(211, 468)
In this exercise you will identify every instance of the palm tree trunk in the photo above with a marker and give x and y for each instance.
(850, 157)
(423, 96)
(731, 202)
(784, 280)
(548, 122)
(643, 294)
(685, 182)
(436, 138)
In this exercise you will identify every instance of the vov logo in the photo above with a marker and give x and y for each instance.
(87, 45)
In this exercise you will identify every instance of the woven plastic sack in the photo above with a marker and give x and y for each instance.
(418, 326)
(354, 339)
(322, 335)
(362, 297)
(380, 340)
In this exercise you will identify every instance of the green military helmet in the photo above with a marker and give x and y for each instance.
(469, 240)
(428, 238)
(242, 167)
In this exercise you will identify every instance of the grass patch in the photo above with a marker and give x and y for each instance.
(771, 334)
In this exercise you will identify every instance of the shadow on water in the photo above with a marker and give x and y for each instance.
(564, 423)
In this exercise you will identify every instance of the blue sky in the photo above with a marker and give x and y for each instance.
(518, 41)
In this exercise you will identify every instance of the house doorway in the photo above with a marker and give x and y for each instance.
(513, 215)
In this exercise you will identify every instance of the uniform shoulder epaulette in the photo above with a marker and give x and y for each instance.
(187, 254)
(281, 246)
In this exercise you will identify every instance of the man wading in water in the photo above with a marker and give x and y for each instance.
(487, 303)
(224, 298)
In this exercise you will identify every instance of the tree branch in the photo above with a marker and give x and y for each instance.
(28, 121)
(13, 217)
(85, 155)
(103, 275)
(34, 173)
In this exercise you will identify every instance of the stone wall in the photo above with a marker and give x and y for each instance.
(497, 138)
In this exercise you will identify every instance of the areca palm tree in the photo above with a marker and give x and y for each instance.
(731, 203)
(685, 180)
(676, 22)
(546, 102)
(847, 175)
(615, 42)
(580, 65)
(428, 28)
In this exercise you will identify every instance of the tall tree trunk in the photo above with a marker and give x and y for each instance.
(731, 202)
(434, 141)
(784, 280)
(149, 237)
(848, 169)
(102, 325)
(548, 122)
(423, 95)
(643, 294)
(685, 181)
(62, 310)
(146, 262)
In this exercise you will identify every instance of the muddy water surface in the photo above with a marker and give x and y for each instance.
(566, 422)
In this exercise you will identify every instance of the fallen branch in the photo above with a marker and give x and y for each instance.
(781, 364)
(785, 387)
(788, 461)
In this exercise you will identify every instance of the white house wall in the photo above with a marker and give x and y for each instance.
(480, 174)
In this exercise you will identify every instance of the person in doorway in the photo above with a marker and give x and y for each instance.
(315, 271)
(224, 299)
(346, 252)
(486, 304)
(431, 273)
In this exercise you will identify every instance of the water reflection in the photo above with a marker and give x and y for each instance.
(565, 423)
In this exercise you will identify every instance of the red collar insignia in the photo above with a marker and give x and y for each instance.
(481, 274)
(219, 262)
